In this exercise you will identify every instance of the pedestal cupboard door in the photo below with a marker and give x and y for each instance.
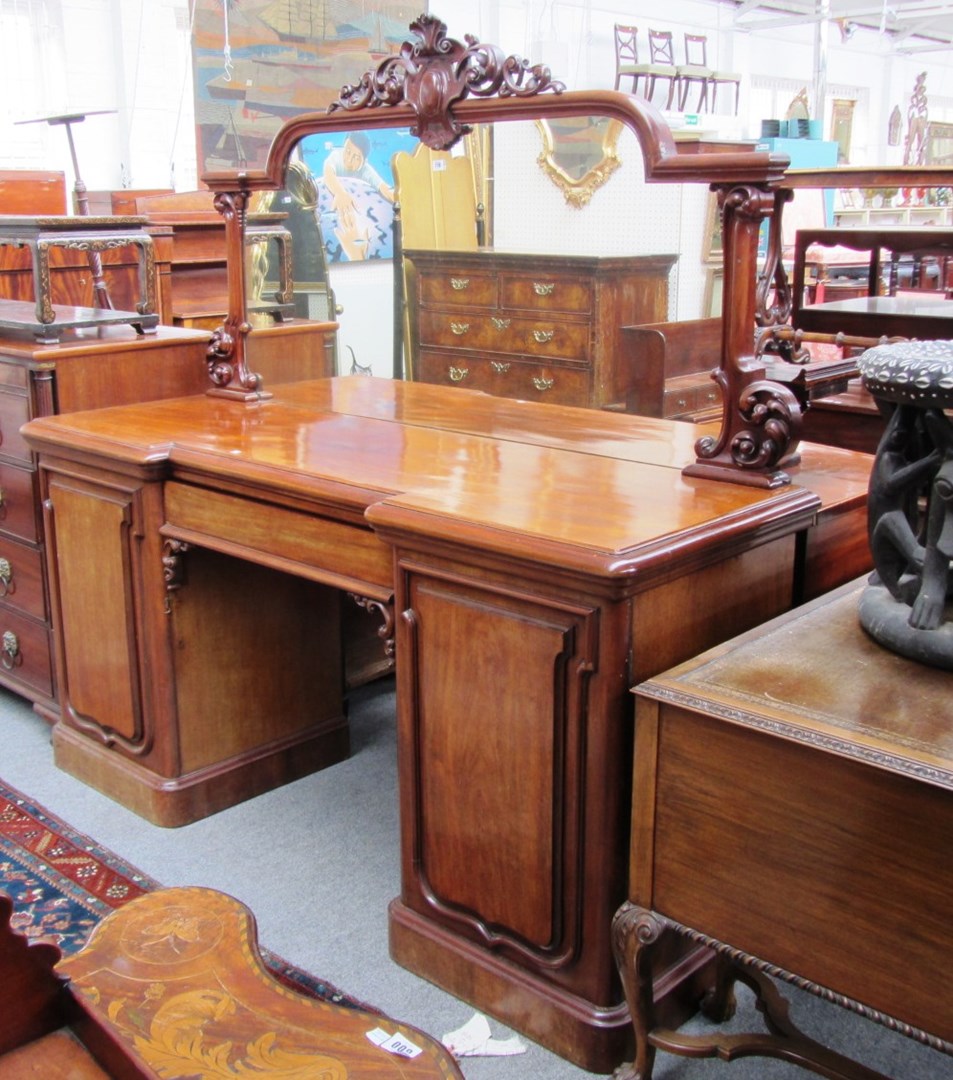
(93, 560)
(495, 773)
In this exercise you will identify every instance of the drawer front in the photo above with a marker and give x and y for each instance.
(18, 502)
(689, 400)
(21, 578)
(546, 292)
(14, 413)
(504, 378)
(458, 289)
(505, 334)
(25, 654)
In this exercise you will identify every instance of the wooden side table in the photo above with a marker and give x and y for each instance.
(92, 235)
(793, 808)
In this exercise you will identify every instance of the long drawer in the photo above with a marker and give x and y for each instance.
(559, 385)
(542, 336)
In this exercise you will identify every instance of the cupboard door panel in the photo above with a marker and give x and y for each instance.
(92, 558)
(497, 774)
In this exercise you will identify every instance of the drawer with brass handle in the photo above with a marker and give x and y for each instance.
(565, 340)
(560, 385)
(19, 511)
(26, 653)
(469, 290)
(546, 293)
(21, 577)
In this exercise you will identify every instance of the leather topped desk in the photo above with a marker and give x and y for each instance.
(534, 561)
(795, 816)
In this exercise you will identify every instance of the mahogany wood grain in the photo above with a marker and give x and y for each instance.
(32, 191)
(658, 354)
(819, 789)
(540, 558)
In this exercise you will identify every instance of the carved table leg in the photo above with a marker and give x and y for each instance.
(634, 933)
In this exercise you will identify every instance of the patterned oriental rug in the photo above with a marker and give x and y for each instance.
(62, 883)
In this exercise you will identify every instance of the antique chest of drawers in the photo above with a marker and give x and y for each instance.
(537, 327)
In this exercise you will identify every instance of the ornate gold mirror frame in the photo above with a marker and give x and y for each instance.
(579, 154)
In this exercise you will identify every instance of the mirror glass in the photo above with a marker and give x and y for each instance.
(579, 154)
(488, 192)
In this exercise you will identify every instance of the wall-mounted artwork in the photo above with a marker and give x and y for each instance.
(354, 176)
(257, 62)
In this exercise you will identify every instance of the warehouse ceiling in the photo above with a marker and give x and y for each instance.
(911, 26)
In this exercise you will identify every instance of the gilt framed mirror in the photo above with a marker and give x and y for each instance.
(579, 154)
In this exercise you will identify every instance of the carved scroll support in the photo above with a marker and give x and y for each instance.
(227, 352)
(386, 613)
(761, 420)
(773, 294)
(173, 564)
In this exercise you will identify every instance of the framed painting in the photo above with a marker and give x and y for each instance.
(255, 65)
(712, 246)
(354, 178)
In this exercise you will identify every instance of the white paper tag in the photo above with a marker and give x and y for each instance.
(394, 1044)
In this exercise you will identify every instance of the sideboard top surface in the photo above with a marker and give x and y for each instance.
(597, 488)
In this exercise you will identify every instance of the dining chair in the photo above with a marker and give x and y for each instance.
(627, 62)
(694, 70)
(696, 55)
(662, 56)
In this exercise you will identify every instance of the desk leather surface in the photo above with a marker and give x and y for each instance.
(859, 700)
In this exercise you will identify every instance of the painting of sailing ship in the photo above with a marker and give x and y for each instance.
(257, 62)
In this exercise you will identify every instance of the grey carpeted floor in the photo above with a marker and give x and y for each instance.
(317, 862)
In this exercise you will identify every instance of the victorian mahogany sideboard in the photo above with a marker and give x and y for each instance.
(531, 326)
(809, 771)
(110, 366)
(536, 561)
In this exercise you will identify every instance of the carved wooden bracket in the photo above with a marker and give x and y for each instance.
(434, 72)
(227, 365)
(761, 419)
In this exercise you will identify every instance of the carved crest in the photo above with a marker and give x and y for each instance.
(435, 71)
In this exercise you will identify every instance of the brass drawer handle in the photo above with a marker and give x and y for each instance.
(542, 289)
(6, 576)
(458, 284)
(712, 395)
(10, 650)
(541, 337)
(459, 328)
(499, 367)
(458, 374)
(543, 382)
(500, 324)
